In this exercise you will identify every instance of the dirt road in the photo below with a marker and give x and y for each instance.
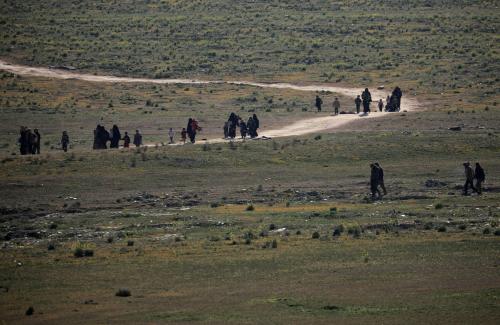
(313, 125)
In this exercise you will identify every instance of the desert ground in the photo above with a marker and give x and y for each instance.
(281, 229)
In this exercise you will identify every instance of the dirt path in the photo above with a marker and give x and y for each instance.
(313, 125)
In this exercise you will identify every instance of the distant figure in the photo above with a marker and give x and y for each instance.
(192, 128)
(115, 137)
(381, 178)
(126, 140)
(256, 125)
(171, 135)
(101, 137)
(23, 141)
(137, 139)
(469, 178)
(380, 105)
(251, 127)
(367, 98)
(183, 135)
(226, 129)
(397, 94)
(480, 177)
(336, 106)
(319, 102)
(243, 130)
(374, 181)
(65, 141)
(36, 144)
(357, 101)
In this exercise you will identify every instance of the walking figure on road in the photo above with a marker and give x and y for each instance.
(336, 106)
(357, 101)
(367, 99)
(137, 139)
(381, 178)
(319, 102)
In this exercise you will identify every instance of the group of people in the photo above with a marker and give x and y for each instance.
(471, 175)
(234, 122)
(29, 141)
(477, 174)
(392, 104)
(102, 136)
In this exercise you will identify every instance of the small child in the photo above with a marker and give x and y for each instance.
(183, 135)
(65, 141)
(171, 135)
(126, 140)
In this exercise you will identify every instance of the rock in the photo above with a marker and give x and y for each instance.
(381, 87)
(455, 128)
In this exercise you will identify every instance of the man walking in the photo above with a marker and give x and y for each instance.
(374, 181)
(336, 106)
(381, 178)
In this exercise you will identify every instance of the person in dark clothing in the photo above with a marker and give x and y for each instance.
(256, 125)
(381, 178)
(251, 127)
(126, 140)
(36, 144)
(31, 141)
(380, 105)
(226, 129)
(357, 101)
(104, 138)
(469, 178)
(115, 137)
(183, 135)
(23, 142)
(374, 181)
(137, 139)
(319, 102)
(367, 99)
(191, 129)
(480, 176)
(65, 141)
(397, 94)
(243, 130)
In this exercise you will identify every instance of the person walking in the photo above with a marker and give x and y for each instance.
(380, 105)
(115, 137)
(367, 99)
(336, 106)
(183, 135)
(397, 94)
(319, 102)
(65, 141)
(357, 101)
(126, 140)
(36, 144)
(256, 125)
(171, 135)
(374, 181)
(381, 178)
(243, 130)
(137, 139)
(469, 178)
(480, 177)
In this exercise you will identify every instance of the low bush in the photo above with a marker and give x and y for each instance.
(123, 293)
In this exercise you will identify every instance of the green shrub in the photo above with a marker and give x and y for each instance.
(315, 235)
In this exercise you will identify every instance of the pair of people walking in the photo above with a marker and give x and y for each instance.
(471, 175)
